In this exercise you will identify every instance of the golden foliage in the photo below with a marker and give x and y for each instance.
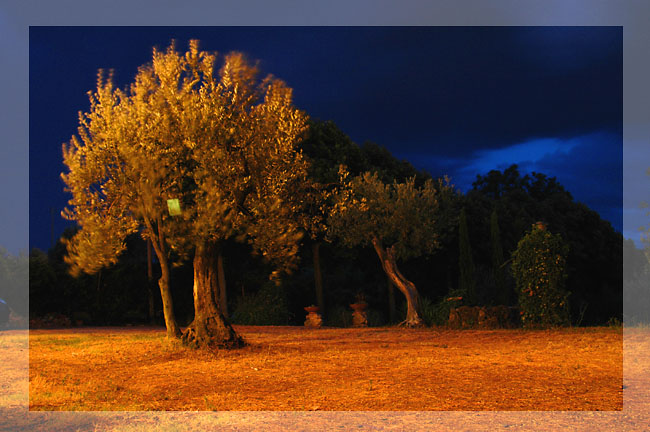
(222, 144)
(399, 215)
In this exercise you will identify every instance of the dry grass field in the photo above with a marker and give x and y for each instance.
(330, 369)
(322, 370)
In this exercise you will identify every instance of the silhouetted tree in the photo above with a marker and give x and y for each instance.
(594, 262)
(498, 261)
(467, 278)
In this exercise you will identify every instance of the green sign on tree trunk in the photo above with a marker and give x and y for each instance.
(174, 207)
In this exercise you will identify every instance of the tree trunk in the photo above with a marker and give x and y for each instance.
(221, 279)
(318, 277)
(209, 328)
(173, 331)
(388, 263)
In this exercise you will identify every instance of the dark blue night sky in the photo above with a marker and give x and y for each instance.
(452, 100)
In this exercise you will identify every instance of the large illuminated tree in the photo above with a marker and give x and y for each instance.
(221, 144)
(118, 177)
(398, 220)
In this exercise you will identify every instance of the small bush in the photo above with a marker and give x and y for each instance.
(266, 307)
(338, 316)
(82, 316)
(135, 316)
(440, 310)
(434, 313)
(614, 322)
(375, 318)
(51, 320)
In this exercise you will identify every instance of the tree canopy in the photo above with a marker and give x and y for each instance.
(398, 220)
(222, 145)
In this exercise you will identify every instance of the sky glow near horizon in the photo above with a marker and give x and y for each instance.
(528, 152)
(554, 157)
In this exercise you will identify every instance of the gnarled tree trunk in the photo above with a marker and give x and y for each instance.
(388, 263)
(209, 327)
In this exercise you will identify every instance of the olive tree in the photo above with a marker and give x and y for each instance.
(399, 220)
(190, 157)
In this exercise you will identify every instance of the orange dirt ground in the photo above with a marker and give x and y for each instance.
(329, 369)
(134, 364)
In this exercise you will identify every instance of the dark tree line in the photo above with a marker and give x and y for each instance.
(595, 260)
(499, 209)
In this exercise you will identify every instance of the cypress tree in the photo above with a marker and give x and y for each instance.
(501, 295)
(467, 281)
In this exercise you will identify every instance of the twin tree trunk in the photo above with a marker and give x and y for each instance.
(388, 263)
(210, 328)
(173, 331)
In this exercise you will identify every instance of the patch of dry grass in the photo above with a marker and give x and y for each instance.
(299, 369)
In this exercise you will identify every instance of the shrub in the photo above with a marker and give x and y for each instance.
(438, 313)
(82, 317)
(434, 313)
(614, 322)
(339, 316)
(266, 307)
(375, 318)
(428, 311)
(441, 309)
(538, 265)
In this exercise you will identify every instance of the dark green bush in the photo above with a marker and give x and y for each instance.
(428, 311)
(268, 306)
(539, 267)
(339, 316)
(435, 314)
(375, 318)
(431, 312)
(440, 310)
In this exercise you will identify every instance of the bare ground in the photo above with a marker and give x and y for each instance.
(294, 368)
(385, 370)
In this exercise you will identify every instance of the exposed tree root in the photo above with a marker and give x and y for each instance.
(412, 323)
(210, 333)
